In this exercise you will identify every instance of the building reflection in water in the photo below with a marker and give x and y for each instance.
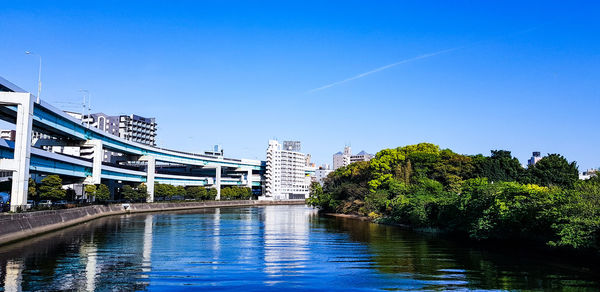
(216, 238)
(89, 251)
(13, 275)
(87, 257)
(147, 247)
(286, 242)
(247, 244)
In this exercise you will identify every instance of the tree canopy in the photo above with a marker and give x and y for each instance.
(483, 197)
(51, 188)
(102, 193)
(554, 170)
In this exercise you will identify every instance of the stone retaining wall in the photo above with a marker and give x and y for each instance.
(19, 226)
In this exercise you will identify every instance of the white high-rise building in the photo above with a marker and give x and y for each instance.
(285, 175)
(342, 159)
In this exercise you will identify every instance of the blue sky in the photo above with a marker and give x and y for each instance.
(516, 76)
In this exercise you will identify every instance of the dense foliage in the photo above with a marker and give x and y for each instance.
(236, 193)
(51, 188)
(102, 193)
(31, 189)
(484, 197)
(201, 193)
(171, 192)
(168, 192)
(99, 192)
(138, 194)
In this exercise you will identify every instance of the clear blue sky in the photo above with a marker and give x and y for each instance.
(521, 77)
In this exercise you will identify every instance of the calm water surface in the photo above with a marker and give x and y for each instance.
(266, 248)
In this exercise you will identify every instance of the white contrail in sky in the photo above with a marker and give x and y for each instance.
(415, 59)
(383, 68)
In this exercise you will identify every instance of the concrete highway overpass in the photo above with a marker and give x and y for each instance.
(30, 114)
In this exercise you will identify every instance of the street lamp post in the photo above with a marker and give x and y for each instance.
(86, 93)
(39, 75)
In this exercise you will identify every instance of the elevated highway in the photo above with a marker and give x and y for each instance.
(28, 115)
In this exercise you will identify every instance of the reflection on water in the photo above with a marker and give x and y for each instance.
(12, 280)
(88, 252)
(265, 248)
(285, 242)
(146, 259)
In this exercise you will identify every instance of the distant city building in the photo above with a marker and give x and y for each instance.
(341, 159)
(106, 123)
(292, 146)
(129, 127)
(345, 158)
(216, 151)
(285, 175)
(138, 129)
(361, 156)
(8, 135)
(534, 158)
(321, 173)
(588, 174)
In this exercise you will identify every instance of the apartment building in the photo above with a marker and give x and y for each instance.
(285, 174)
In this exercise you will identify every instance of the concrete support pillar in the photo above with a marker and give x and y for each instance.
(218, 182)
(19, 165)
(150, 171)
(97, 157)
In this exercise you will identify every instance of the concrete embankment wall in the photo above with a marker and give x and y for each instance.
(19, 226)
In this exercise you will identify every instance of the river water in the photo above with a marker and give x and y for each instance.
(267, 249)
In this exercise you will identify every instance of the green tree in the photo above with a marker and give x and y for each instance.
(180, 191)
(159, 191)
(246, 193)
(579, 222)
(554, 170)
(315, 194)
(90, 190)
(31, 189)
(500, 166)
(51, 188)
(129, 193)
(164, 191)
(211, 194)
(482, 197)
(451, 169)
(102, 193)
(142, 192)
(197, 193)
(227, 193)
(382, 166)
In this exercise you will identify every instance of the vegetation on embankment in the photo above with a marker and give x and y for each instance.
(51, 189)
(485, 198)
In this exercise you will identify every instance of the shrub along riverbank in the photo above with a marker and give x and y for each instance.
(51, 188)
(482, 197)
